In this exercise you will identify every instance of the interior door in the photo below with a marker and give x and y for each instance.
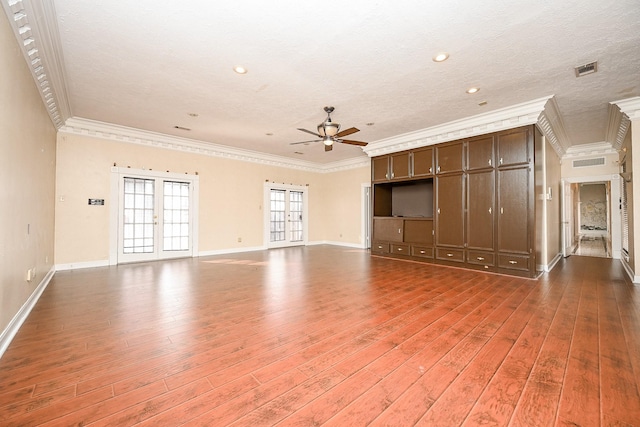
(287, 216)
(155, 219)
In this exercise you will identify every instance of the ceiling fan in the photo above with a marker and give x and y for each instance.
(329, 132)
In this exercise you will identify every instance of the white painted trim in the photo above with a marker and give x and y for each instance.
(630, 107)
(547, 268)
(627, 268)
(81, 265)
(332, 243)
(9, 333)
(502, 119)
(231, 251)
(365, 214)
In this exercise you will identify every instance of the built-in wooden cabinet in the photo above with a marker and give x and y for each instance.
(413, 164)
(467, 203)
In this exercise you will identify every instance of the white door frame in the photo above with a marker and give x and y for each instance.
(567, 218)
(268, 186)
(614, 208)
(117, 176)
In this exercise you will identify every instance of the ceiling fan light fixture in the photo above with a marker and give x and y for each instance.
(328, 128)
(327, 140)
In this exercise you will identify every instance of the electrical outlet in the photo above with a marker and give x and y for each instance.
(239, 239)
(31, 274)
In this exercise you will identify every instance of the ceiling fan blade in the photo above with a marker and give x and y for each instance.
(348, 141)
(328, 147)
(312, 133)
(347, 132)
(305, 142)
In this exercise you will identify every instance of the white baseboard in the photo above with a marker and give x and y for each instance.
(627, 268)
(231, 251)
(553, 262)
(329, 242)
(79, 265)
(14, 325)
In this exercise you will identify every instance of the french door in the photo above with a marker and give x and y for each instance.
(286, 215)
(155, 216)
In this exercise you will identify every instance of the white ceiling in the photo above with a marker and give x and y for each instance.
(147, 64)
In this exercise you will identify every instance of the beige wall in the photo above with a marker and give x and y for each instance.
(231, 197)
(554, 205)
(27, 167)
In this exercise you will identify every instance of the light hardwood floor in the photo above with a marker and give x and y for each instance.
(326, 336)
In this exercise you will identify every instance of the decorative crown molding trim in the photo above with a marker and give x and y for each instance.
(36, 29)
(551, 125)
(592, 149)
(617, 126)
(96, 129)
(506, 118)
(630, 107)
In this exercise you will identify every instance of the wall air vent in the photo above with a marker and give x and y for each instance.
(583, 70)
(598, 161)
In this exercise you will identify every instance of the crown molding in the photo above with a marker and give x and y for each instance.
(592, 149)
(630, 107)
(117, 133)
(551, 125)
(36, 29)
(617, 126)
(506, 118)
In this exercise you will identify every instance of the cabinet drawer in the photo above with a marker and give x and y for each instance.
(380, 247)
(400, 249)
(422, 251)
(447, 254)
(514, 262)
(481, 258)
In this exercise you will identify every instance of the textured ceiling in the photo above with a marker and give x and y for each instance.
(147, 64)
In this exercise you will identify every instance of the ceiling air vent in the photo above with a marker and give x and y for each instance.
(598, 161)
(583, 70)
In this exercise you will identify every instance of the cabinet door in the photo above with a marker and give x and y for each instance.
(380, 168)
(422, 162)
(480, 153)
(387, 229)
(514, 219)
(418, 231)
(514, 147)
(399, 166)
(449, 157)
(480, 210)
(450, 210)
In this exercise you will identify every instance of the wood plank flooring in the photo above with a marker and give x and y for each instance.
(324, 335)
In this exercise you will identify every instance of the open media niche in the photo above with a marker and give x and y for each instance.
(410, 199)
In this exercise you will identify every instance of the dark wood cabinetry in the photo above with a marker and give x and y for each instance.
(413, 164)
(482, 204)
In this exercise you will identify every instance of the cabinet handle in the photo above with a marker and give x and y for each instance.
(480, 258)
(489, 211)
(438, 211)
(399, 230)
(501, 211)
(379, 247)
(422, 252)
(513, 262)
(500, 160)
(386, 175)
(430, 169)
(449, 254)
(438, 169)
(393, 175)
(399, 249)
(489, 162)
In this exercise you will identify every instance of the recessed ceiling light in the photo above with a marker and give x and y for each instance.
(370, 124)
(269, 134)
(240, 69)
(473, 90)
(443, 56)
(192, 114)
(483, 103)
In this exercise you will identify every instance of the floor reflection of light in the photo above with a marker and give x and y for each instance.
(285, 281)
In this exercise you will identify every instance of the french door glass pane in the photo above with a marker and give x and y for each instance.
(295, 213)
(277, 229)
(176, 216)
(138, 216)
